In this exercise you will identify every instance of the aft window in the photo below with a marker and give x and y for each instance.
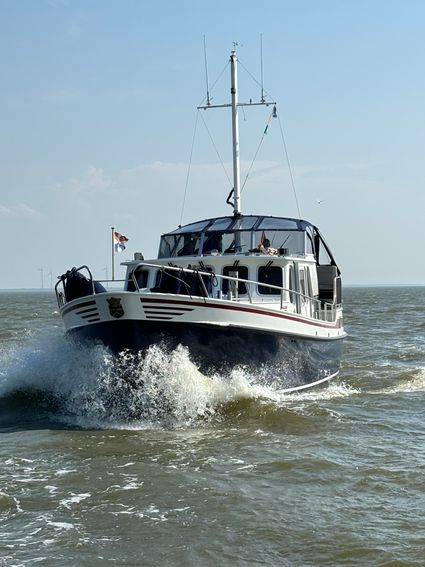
(242, 274)
(271, 275)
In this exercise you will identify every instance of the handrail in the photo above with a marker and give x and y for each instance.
(318, 309)
(60, 295)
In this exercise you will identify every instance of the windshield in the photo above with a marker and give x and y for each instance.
(241, 235)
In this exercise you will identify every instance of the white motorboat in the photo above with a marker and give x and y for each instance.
(235, 290)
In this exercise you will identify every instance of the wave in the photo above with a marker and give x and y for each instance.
(57, 382)
(408, 381)
(8, 504)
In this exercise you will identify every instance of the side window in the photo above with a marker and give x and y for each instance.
(271, 275)
(167, 281)
(309, 285)
(302, 284)
(292, 284)
(141, 276)
(242, 274)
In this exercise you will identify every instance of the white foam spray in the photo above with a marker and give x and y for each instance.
(93, 388)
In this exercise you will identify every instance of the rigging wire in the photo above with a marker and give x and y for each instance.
(208, 99)
(283, 139)
(289, 166)
(188, 168)
(264, 92)
(216, 150)
(272, 114)
(220, 75)
(214, 84)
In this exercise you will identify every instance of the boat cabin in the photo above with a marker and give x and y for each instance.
(240, 235)
(268, 254)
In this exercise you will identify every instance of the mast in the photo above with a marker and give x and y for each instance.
(113, 252)
(235, 104)
(235, 134)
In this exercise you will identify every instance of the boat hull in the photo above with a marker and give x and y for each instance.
(298, 362)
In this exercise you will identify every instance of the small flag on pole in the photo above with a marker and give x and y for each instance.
(119, 242)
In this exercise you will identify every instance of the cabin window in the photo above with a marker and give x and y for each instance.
(303, 289)
(245, 223)
(167, 281)
(141, 276)
(292, 287)
(186, 244)
(213, 243)
(279, 224)
(242, 274)
(292, 240)
(305, 283)
(309, 247)
(309, 284)
(184, 283)
(271, 275)
(168, 245)
(220, 224)
(323, 256)
(236, 242)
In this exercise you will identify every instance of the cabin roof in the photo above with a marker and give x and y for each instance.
(243, 222)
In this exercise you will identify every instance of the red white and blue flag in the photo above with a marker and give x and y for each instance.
(119, 242)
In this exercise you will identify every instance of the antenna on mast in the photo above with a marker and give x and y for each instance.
(206, 72)
(261, 56)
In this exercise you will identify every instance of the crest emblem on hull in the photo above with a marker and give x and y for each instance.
(115, 308)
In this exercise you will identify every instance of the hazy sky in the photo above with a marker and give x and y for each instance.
(98, 108)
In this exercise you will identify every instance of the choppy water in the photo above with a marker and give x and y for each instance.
(219, 470)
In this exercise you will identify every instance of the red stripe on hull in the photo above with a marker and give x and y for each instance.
(337, 325)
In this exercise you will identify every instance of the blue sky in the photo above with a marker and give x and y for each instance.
(98, 106)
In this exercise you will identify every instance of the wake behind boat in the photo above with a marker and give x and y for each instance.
(235, 290)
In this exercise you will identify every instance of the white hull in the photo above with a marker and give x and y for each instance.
(218, 333)
(194, 310)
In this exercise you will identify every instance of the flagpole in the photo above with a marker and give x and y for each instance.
(113, 253)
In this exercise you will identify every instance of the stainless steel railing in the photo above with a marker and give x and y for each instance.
(303, 304)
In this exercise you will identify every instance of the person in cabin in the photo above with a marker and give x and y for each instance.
(264, 246)
(189, 245)
(214, 243)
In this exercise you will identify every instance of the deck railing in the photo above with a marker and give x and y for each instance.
(304, 304)
(91, 285)
(207, 284)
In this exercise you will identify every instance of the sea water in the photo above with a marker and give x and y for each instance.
(211, 470)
